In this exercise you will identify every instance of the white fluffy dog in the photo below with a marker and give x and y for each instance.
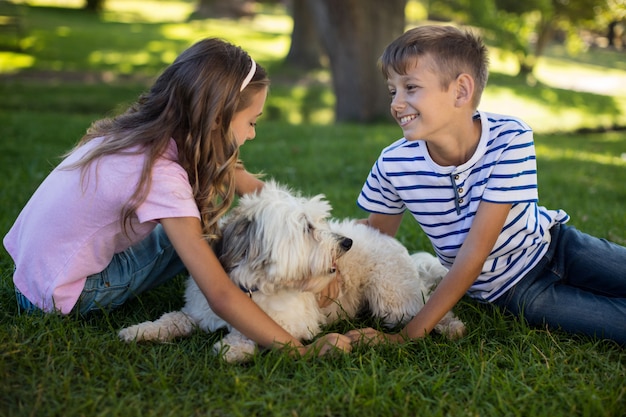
(280, 249)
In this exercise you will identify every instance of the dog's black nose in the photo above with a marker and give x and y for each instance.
(346, 243)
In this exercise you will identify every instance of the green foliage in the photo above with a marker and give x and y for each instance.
(131, 42)
(524, 28)
(72, 366)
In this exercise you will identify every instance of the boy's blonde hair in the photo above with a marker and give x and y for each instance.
(452, 50)
(193, 101)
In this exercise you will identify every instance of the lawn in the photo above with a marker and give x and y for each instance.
(75, 68)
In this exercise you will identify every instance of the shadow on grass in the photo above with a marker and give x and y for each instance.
(556, 97)
(600, 57)
(99, 52)
(75, 40)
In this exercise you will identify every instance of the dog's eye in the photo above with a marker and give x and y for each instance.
(310, 227)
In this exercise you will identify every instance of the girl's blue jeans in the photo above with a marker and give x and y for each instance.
(579, 286)
(139, 268)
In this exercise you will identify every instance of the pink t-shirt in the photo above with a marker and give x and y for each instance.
(69, 230)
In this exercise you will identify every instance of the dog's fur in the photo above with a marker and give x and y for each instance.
(280, 248)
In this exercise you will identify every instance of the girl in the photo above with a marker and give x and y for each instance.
(134, 203)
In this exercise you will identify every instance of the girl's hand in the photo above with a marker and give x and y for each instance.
(246, 183)
(332, 342)
(371, 336)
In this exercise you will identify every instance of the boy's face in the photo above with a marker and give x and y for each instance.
(419, 105)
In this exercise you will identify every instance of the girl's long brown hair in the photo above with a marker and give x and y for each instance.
(193, 101)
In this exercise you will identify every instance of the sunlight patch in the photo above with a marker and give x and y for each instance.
(12, 62)
(552, 153)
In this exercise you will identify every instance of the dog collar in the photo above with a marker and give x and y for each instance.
(248, 291)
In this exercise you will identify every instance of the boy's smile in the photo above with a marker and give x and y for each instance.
(406, 119)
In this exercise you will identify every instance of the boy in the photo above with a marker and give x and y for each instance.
(469, 179)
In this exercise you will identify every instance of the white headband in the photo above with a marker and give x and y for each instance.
(248, 78)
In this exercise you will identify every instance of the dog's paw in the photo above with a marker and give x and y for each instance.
(148, 331)
(451, 327)
(168, 327)
(235, 348)
(138, 333)
(456, 330)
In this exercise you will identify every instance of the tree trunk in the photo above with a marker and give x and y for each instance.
(223, 8)
(611, 33)
(94, 5)
(305, 51)
(354, 34)
(545, 33)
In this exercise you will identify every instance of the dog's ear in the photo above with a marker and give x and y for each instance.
(216, 245)
(235, 242)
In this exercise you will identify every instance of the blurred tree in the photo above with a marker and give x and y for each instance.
(305, 50)
(353, 34)
(613, 20)
(223, 8)
(523, 28)
(94, 5)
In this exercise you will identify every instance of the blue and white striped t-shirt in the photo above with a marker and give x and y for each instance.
(444, 200)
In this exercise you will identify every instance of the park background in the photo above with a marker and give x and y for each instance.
(63, 66)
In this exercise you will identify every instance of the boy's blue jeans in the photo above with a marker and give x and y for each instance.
(579, 287)
(139, 268)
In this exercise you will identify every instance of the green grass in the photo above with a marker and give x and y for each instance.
(68, 366)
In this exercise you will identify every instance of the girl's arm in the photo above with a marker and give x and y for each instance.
(245, 182)
(226, 299)
(468, 264)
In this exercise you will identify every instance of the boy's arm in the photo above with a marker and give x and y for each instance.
(225, 298)
(385, 223)
(467, 266)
